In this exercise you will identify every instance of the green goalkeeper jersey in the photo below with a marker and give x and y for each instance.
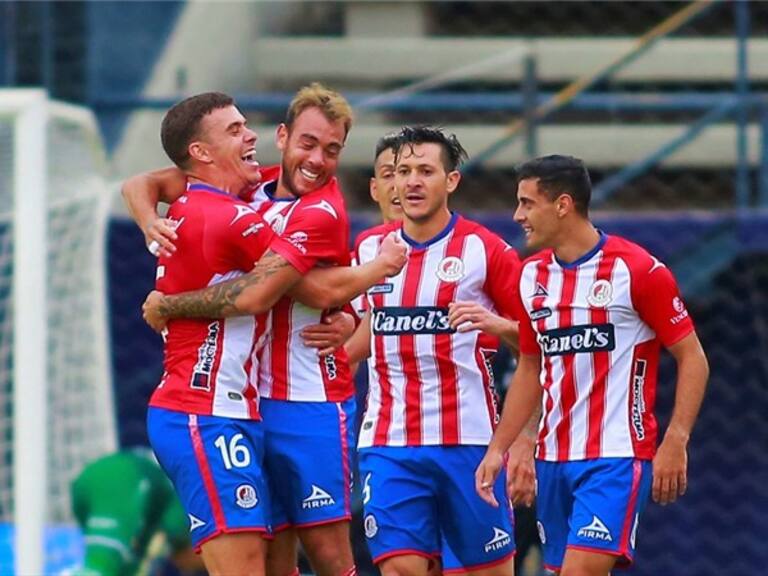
(121, 501)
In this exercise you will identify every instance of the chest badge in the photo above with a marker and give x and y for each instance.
(450, 269)
(600, 294)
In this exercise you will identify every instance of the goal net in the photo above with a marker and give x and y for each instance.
(55, 386)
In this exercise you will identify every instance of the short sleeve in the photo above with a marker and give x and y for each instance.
(500, 285)
(658, 303)
(315, 232)
(529, 344)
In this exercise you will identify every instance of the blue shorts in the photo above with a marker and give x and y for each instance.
(591, 505)
(215, 465)
(415, 498)
(308, 458)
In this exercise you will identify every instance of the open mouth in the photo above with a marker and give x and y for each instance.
(250, 158)
(309, 175)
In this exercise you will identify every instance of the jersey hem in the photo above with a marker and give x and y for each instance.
(584, 458)
(172, 408)
(471, 442)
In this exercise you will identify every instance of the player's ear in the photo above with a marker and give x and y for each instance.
(198, 151)
(564, 205)
(281, 137)
(452, 180)
(372, 189)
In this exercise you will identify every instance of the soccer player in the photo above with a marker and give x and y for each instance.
(431, 404)
(594, 310)
(307, 400)
(123, 502)
(203, 420)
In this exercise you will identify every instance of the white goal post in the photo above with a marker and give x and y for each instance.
(55, 383)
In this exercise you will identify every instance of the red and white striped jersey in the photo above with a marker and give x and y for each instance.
(313, 231)
(598, 324)
(208, 366)
(430, 385)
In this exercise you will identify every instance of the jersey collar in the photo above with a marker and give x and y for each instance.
(586, 257)
(200, 187)
(442, 234)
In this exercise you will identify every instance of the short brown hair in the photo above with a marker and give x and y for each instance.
(181, 124)
(332, 104)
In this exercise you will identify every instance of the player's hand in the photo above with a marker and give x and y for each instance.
(151, 311)
(393, 254)
(521, 472)
(330, 334)
(670, 470)
(486, 474)
(159, 236)
(466, 316)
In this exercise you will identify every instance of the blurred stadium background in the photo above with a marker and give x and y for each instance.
(666, 101)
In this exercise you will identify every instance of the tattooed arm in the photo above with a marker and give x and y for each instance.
(259, 290)
(252, 293)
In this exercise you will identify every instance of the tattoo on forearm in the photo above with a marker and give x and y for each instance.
(218, 301)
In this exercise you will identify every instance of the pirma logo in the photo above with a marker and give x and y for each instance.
(595, 530)
(500, 540)
(194, 522)
(246, 496)
(317, 499)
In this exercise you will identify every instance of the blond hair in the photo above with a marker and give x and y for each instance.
(332, 104)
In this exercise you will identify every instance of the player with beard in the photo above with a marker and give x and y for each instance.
(307, 400)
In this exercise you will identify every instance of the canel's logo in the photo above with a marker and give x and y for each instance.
(397, 320)
(578, 339)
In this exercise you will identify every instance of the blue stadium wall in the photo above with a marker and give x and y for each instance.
(719, 527)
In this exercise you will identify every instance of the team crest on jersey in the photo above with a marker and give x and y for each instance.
(450, 269)
(600, 294)
(246, 496)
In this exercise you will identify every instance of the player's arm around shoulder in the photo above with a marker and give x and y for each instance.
(142, 193)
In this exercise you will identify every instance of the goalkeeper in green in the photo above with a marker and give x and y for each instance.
(130, 516)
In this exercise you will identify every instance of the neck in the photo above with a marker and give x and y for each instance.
(424, 230)
(576, 240)
(211, 180)
(281, 190)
